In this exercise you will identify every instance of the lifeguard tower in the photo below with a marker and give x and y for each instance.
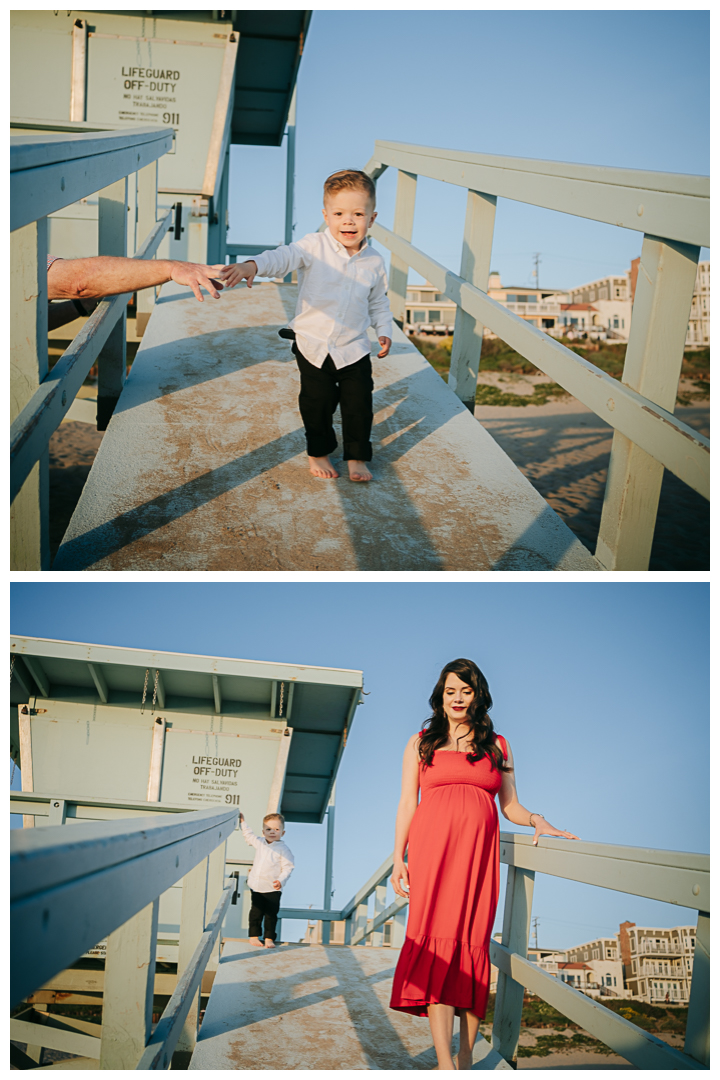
(128, 880)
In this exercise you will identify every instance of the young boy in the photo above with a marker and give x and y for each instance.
(272, 866)
(342, 292)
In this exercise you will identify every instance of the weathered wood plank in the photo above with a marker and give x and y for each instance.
(128, 990)
(159, 1050)
(70, 1042)
(515, 933)
(475, 268)
(682, 214)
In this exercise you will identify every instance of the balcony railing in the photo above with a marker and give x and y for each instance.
(672, 212)
(73, 885)
(672, 877)
(49, 171)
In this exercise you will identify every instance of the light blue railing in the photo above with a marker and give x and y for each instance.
(672, 212)
(49, 171)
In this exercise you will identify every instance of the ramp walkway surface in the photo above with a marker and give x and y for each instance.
(313, 1007)
(203, 465)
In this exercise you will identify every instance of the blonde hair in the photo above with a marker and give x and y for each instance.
(272, 817)
(349, 180)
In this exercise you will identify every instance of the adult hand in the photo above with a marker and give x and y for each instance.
(385, 343)
(196, 275)
(400, 880)
(544, 828)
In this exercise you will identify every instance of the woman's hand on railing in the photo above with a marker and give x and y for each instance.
(544, 828)
(400, 880)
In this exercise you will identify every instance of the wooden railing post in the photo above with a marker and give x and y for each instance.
(404, 215)
(397, 934)
(29, 527)
(376, 938)
(112, 240)
(146, 218)
(697, 1031)
(192, 927)
(475, 268)
(215, 886)
(663, 298)
(515, 933)
(128, 990)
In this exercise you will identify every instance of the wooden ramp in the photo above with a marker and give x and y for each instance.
(203, 465)
(313, 1007)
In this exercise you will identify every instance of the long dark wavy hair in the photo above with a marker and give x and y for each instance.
(436, 729)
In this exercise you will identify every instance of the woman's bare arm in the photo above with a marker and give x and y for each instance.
(518, 814)
(406, 811)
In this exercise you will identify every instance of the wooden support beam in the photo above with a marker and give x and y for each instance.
(475, 268)
(515, 933)
(217, 694)
(156, 759)
(34, 666)
(404, 215)
(100, 684)
(697, 1032)
(112, 240)
(661, 310)
(128, 991)
(146, 220)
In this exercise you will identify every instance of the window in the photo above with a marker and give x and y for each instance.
(419, 316)
(408, 316)
(623, 323)
(616, 323)
(434, 316)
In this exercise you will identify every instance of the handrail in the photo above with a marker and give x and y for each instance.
(673, 443)
(49, 171)
(673, 205)
(672, 213)
(46, 409)
(57, 807)
(675, 877)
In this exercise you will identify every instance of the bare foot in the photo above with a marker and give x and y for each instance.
(358, 470)
(323, 467)
(256, 941)
(269, 944)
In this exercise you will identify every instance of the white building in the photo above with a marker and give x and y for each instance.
(698, 336)
(611, 300)
(602, 974)
(427, 311)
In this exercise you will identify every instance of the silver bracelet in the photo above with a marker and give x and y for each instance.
(535, 814)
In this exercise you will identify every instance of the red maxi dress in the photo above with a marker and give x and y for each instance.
(454, 871)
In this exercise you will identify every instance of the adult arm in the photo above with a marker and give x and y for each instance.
(515, 812)
(407, 806)
(109, 275)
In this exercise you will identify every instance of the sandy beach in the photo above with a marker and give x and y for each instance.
(562, 447)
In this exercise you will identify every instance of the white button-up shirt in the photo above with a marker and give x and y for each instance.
(340, 296)
(273, 862)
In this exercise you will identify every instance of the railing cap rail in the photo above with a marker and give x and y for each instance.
(110, 804)
(685, 860)
(676, 183)
(51, 148)
(52, 855)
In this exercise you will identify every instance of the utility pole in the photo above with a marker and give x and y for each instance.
(535, 930)
(536, 272)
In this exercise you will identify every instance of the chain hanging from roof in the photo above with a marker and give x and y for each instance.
(12, 665)
(282, 695)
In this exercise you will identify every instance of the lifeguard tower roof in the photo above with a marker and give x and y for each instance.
(316, 703)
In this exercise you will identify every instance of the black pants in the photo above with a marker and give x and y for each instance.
(321, 389)
(264, 905)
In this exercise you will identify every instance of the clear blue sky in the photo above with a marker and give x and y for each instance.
(622, 88)
(601, 690)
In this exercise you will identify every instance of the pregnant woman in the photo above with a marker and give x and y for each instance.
(459, 764)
